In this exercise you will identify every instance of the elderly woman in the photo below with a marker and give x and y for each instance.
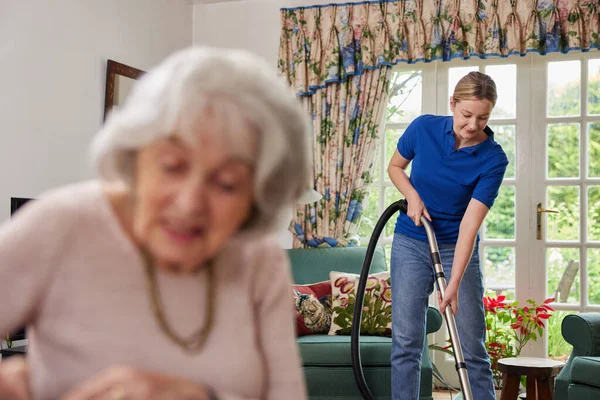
(160, 279)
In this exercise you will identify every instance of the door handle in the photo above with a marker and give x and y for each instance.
(541, 210)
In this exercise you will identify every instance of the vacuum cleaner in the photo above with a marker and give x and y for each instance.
(440, 278)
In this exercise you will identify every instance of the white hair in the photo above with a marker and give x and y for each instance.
(238, 86)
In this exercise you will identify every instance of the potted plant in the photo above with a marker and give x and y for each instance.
(510, 326)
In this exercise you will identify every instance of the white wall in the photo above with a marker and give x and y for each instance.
(52, 73)
(249, 24)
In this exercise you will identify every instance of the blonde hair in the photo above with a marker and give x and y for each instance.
(476, 86)
(242, 89)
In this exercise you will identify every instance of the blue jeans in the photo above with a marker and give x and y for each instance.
(412, 283)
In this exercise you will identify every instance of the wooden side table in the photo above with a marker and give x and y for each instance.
(540, 373)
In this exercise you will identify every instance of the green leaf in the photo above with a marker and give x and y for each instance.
(440, 348)
(573, 17)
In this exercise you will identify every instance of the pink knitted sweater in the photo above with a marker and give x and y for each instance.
(69, 272)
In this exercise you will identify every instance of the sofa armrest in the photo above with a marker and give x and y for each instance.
(434, 320)
(583, 332)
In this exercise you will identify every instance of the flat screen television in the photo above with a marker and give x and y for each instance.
(15, 204)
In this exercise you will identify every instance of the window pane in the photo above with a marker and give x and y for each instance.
(377, 168)
(594, 150)
(558, 348)
(499, 270)
(370, 214)
(563, 151)
(563, 274)
(565, 224)
(505, 136)
(388, 251)
(593, 259)
(500, 222)
(505, 77)
(391, 143)
(564, 88)
(454, 75)
(594, 214)
(406, 93)
(391, 195)
(594, 86)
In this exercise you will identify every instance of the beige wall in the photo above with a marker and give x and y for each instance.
(248, 24)
(53, 64)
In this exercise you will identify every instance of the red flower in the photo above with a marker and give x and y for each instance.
(518, 323)
(491, 305)
(540, 316)
(544, 306)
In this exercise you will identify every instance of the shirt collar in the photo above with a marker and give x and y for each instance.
(471, 149)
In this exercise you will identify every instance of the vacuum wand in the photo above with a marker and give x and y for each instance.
(461, 366)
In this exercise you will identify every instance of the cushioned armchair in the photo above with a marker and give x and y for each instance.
(580, 378)
(327, 359)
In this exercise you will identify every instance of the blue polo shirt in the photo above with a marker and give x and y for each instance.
(447, 179)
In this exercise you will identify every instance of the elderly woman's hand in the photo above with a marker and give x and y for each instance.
(125, 383)
(14, 379)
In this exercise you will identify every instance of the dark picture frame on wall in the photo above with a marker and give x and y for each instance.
(119, 81)
(17, 202)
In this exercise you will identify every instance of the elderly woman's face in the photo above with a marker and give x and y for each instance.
(191, 197)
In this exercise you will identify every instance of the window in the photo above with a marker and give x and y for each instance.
(547, 119)
(405, 104)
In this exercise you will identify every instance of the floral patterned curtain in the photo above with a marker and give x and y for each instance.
(345, 120)
(338, 56)
(322, 44)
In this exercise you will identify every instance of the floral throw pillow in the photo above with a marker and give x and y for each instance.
(377, 310)
(313, 308)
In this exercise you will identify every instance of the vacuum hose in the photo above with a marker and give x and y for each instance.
(461, 367)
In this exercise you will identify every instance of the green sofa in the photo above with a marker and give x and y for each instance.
(580, 378)
(326, 359)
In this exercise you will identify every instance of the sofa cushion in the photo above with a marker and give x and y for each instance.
(330, 350)
(326, 350)
(586, 370)
(377, 313)
(313, 265)
(313, 308)
(583, 392)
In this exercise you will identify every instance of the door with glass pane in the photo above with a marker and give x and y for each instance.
(499, 247)
(566, 189)
(547, 120)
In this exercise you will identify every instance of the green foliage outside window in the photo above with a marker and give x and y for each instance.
(563, 161)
